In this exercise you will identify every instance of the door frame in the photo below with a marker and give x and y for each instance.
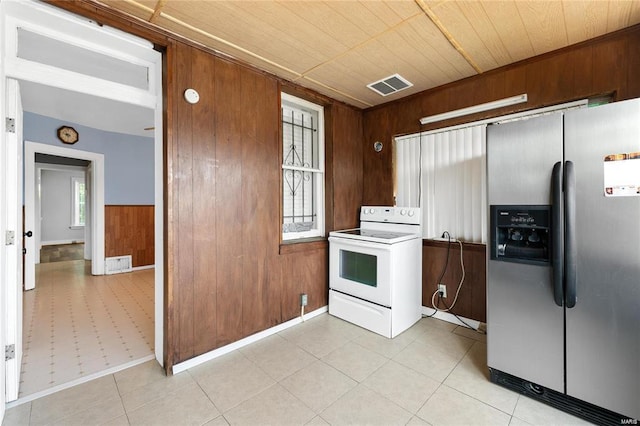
(96, 202)
(57, 23)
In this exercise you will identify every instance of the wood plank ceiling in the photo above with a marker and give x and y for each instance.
(338, 47)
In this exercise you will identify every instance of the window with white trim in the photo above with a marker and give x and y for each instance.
(78, 201)
(302, 168)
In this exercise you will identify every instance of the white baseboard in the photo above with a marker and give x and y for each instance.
(185, 365)
(446, 316)
(140, 268)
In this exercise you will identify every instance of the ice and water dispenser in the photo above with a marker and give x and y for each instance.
(521, 233)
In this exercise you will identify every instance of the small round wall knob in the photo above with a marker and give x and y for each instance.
(191, 96)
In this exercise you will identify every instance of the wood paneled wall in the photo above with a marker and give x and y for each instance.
(347, 176)
(130, 230)
(607, 65)
(228, 276)
(472, 296)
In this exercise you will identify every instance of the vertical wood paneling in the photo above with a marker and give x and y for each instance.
(260, 159)
(170, 207)
(184, 284)
(633, 56)
(226, 276)
(470, 303)
(230, 118)
(304, 272)
(347, 167)
(268, 154)
(129, 230)
(204, 203)
(610, 67)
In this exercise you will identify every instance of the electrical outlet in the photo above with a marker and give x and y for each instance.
(442, 289)
(303, 299)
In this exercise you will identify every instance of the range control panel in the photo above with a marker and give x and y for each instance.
(409, 215)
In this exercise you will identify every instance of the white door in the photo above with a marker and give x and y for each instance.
(13, 257)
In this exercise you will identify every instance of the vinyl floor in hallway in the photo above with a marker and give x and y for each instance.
(76, 324)
(323, 371)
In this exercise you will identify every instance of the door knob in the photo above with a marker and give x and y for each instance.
(28, 234)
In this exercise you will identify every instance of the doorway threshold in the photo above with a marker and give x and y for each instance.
(85, 379)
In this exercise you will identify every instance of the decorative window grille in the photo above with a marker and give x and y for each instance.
(302, 168)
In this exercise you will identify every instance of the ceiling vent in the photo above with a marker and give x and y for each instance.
(389, 85)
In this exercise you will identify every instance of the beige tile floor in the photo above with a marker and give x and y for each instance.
(76, 324)
(323, 371)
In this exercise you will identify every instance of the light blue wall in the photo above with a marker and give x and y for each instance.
(128, 160)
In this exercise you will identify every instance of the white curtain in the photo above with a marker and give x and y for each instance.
(451, 180)
(407, 151)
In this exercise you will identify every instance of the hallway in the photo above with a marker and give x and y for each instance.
(76, 324)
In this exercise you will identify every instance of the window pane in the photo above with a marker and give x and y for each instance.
(299, 138)
(298, 201)
(81, 203)
(79, 196)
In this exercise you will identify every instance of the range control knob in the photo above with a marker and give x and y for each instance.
(411, 213)
(403, 212)
(372, 211)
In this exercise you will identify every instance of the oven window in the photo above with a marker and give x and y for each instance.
(359, 267)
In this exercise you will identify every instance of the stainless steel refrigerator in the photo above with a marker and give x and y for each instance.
(563, 273)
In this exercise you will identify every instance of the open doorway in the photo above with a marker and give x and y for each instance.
(63, 209)
(47, 49)
(78, 324)
(62, 159)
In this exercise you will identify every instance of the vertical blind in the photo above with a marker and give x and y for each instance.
(408, 171)
(445, 174)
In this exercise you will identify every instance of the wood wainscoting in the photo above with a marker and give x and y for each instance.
(130, 230)
(472, 298)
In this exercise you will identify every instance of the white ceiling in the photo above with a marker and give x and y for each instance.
(87, 110)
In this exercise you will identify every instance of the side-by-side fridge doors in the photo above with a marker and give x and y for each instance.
(603, 328)
(526, 326)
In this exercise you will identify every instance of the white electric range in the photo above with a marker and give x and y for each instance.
(375, 271)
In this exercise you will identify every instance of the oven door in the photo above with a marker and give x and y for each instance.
(361, 269)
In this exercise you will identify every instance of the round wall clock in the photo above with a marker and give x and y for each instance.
(68, 134)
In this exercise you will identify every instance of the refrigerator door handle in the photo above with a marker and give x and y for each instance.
(557, 260)
(570, 255)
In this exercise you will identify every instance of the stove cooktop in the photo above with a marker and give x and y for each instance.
(374, 235)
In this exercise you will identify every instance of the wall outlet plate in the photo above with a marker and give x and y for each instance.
(303, 299)
(443, 290)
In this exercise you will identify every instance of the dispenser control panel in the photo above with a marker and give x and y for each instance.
(521, 233)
